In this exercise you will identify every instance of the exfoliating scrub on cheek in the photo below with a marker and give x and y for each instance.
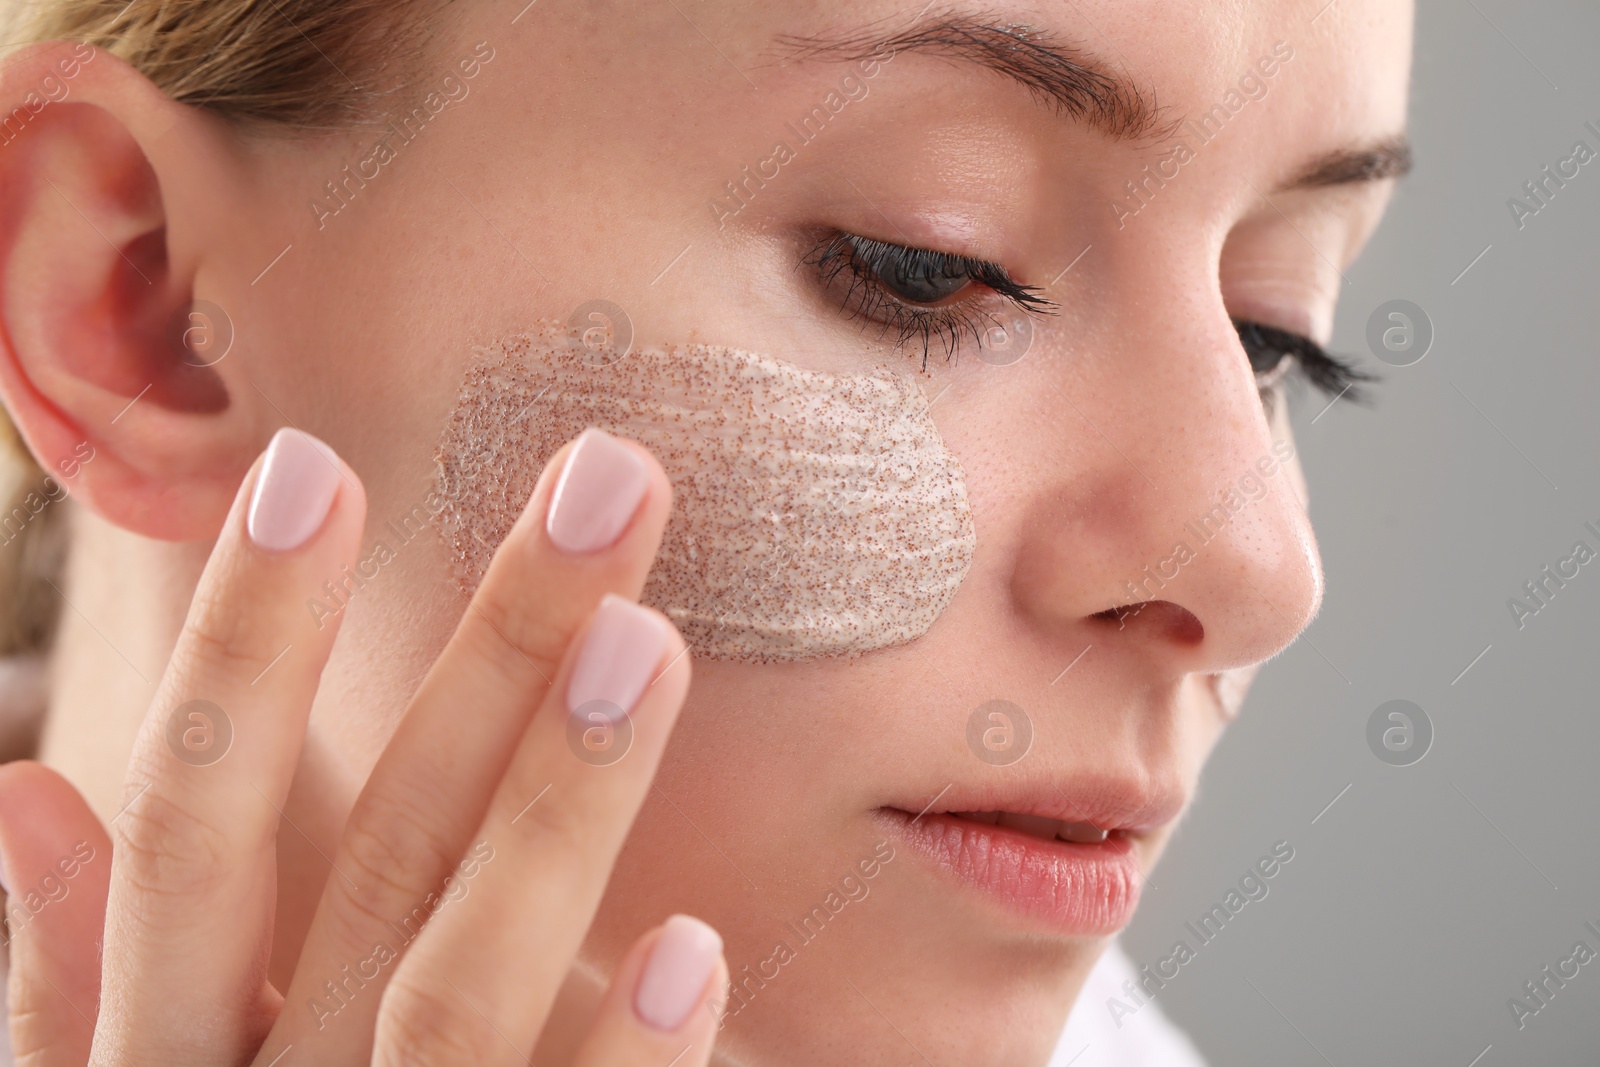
(813, 514)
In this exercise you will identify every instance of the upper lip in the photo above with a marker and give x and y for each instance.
(1130, 805)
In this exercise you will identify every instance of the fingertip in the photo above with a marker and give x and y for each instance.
(29, 790)
(678, 973)
(602, 484)
(673, 641)
(659, 482)
(619, 655)
(43, 819)
(296, 486)
(678, 657)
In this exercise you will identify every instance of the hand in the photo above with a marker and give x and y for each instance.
(473, 861)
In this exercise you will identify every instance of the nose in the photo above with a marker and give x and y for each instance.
(1178, 524)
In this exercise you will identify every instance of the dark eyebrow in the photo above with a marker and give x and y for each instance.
(1075, 83)
(1389, 158)
(1065, 77)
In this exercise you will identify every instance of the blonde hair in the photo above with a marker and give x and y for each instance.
(265, 65)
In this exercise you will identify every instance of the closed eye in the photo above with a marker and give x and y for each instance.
(1276, 354)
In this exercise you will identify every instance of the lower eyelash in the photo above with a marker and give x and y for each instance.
(867, 300)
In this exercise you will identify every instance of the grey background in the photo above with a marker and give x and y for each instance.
(1427, 895)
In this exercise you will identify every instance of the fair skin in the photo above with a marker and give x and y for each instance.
(581, 166)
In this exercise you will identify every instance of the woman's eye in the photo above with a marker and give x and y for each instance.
(925, 295)
(916, 276)
(1275, 354)
(1265, 358)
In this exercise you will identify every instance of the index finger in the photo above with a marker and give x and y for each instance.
(413, 822)
(190, 909)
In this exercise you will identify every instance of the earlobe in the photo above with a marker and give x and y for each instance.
(115, 374)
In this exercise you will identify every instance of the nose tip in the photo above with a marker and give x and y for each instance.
(1280, 585)
(1264, 580)
(1210, 580)
(1179, 530)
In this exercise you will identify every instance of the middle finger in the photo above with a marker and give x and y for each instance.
(591, 527)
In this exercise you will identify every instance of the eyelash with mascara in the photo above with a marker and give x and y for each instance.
(913, 292)
(1275, 353)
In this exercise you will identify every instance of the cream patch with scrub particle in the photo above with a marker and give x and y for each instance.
(813, 513)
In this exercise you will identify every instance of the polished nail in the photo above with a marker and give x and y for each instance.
(599, 490)
(675, 975)
(620, 656)
(294, 491)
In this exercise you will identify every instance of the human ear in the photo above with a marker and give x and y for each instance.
(112, 364)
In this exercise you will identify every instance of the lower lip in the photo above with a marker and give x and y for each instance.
(1073, 889)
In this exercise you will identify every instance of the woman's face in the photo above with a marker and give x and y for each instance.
(1141, 536)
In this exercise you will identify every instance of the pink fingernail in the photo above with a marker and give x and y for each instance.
(599, 490)
(293, 492)
(620, 656)
(675, 975)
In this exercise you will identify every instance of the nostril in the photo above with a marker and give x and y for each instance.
(1156, 618)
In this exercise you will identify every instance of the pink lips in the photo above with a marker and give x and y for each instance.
(1075, 889)
(1042, 862)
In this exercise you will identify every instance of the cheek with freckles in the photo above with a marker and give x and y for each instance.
(813, 513)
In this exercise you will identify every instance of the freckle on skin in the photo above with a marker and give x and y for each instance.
(813, 514)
